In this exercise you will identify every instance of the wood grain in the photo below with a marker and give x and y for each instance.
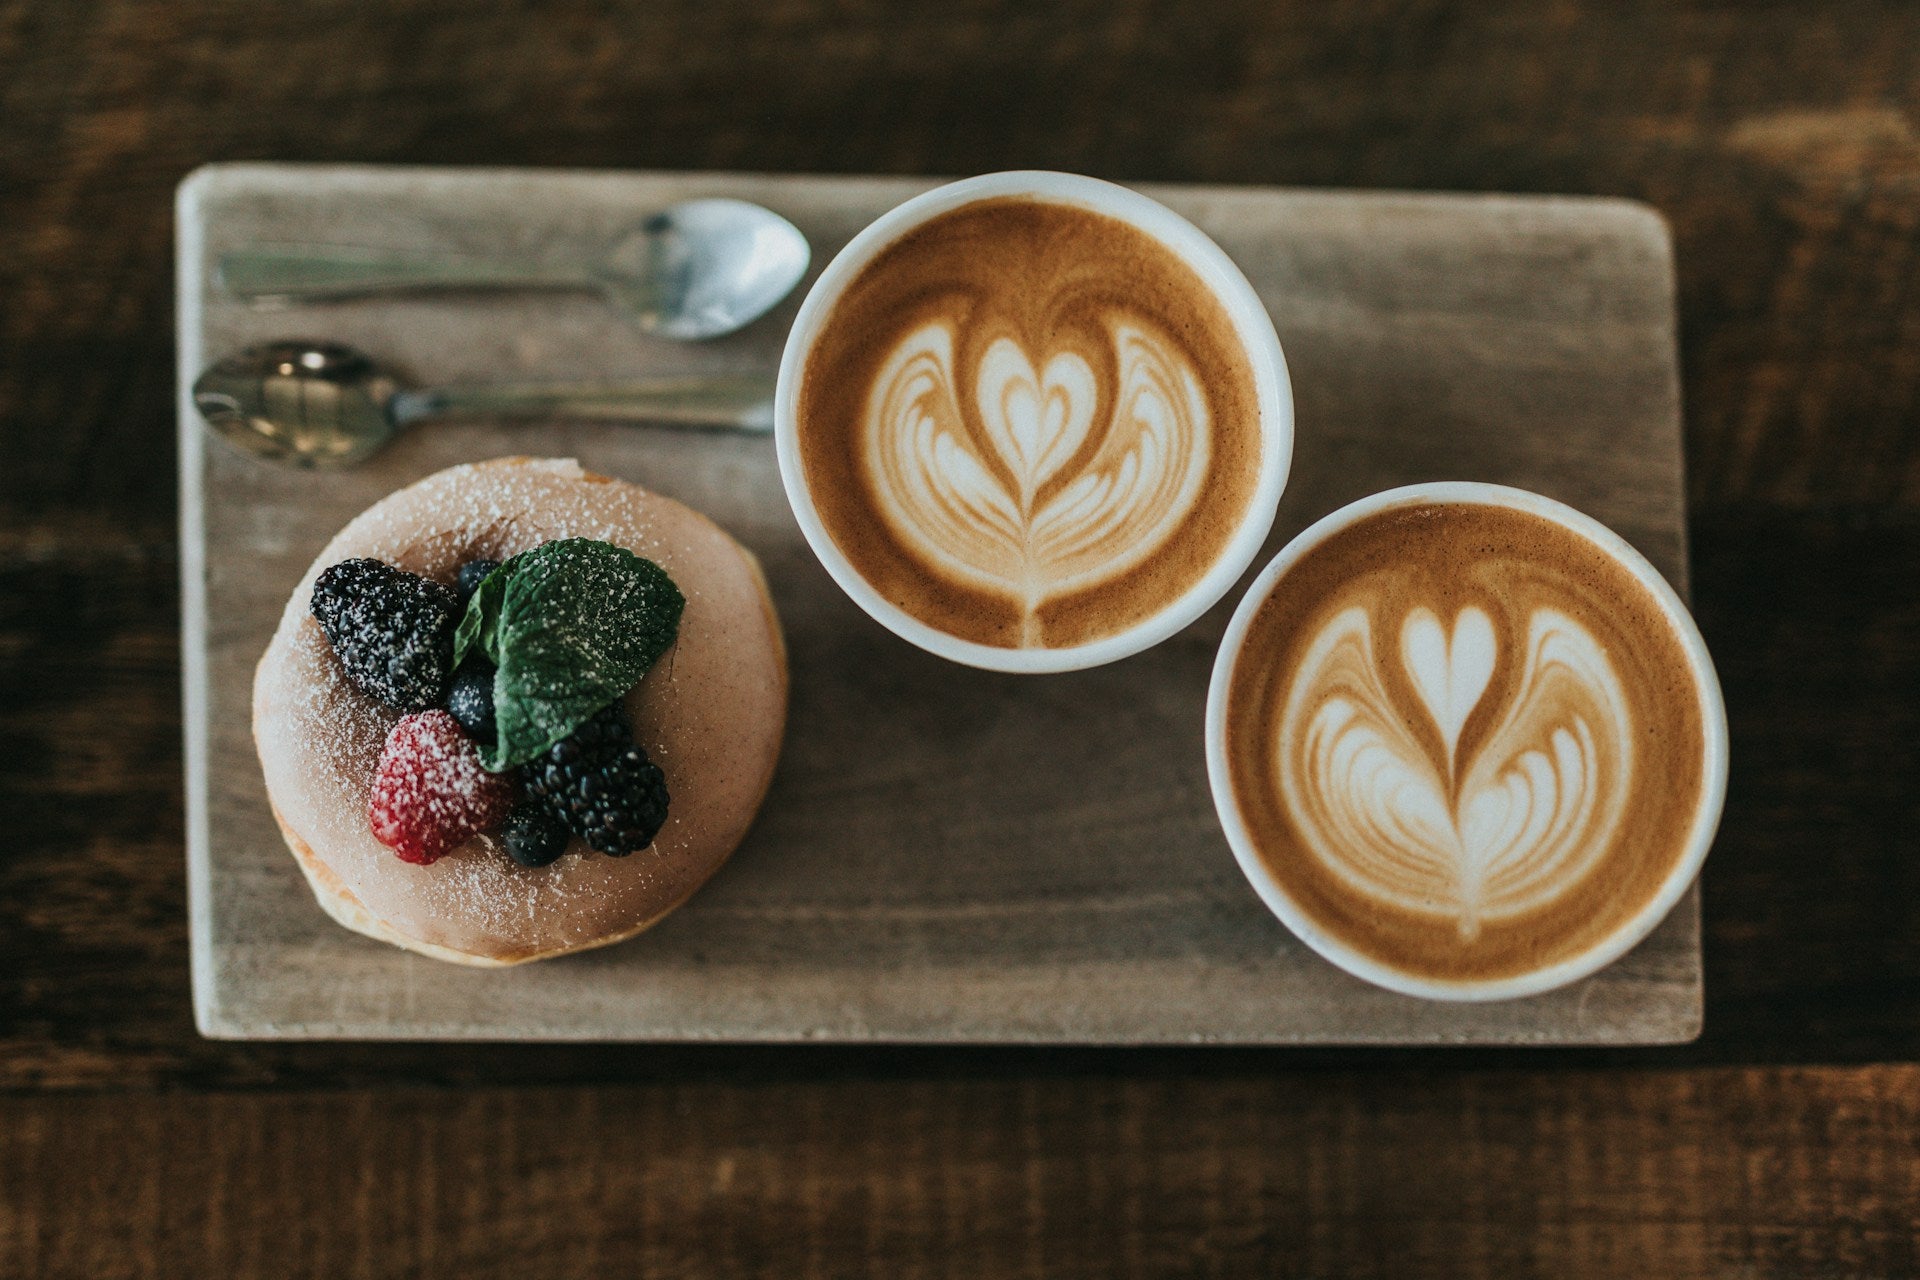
(1808, 959)
(1778, 139)
(1731, 1173)
(106, 106)
(906, 881)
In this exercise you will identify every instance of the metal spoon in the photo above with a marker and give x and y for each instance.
(694, 270)
(321, 404)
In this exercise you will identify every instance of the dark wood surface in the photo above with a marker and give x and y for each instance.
(1396, 1174)
(1783, 142)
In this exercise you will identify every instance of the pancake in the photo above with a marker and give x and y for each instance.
(710, 713)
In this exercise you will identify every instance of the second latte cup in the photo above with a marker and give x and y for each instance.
(1033, 422)
(1466, 742)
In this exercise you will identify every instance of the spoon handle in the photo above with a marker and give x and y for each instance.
(317, 271)
(737, 401)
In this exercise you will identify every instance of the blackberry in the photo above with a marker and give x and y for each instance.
(603, 785)
(391, 630)
(471, 699)
(472, 574)
(535, 834)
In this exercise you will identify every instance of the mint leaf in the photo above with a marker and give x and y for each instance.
(479, 626)
(571, 626)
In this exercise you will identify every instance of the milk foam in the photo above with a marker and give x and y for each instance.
(1065, 485)
(1466, 743)
(1501, 831)
(1028, 425)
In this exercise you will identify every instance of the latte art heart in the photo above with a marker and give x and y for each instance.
(1060, 487)
(1026, 424)
(1465, 742)
(1495, 832)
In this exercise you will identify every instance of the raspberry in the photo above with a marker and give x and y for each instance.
(602, 785)
(471, 698)
(430, 793)
(391, 630)
(535, 834)
(472, 574)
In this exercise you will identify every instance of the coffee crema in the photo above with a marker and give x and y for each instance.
(1465, 740)
(1029, 425)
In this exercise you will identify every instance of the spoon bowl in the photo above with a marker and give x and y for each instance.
(704, 268)
(306, 404)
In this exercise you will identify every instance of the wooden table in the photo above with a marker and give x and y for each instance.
(1783, 141)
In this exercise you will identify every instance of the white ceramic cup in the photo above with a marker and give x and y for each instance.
(1713, 723)
(1252, 326)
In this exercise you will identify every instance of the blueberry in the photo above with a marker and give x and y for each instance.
(471, 698)
(472, 574)
(535, 835)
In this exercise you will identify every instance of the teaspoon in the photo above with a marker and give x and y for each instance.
(694, 270)
(324, 405)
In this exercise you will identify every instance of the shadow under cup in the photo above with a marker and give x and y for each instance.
(1033, 422)
(1466, 743)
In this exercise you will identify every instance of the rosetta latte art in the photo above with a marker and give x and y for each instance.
(1050, 496)
(1530, 808)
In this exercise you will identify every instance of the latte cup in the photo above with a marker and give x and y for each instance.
(1033, 422)
(1466, 742)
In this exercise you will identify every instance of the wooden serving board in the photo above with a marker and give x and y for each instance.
(947, 854)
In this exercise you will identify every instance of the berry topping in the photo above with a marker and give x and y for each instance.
(472, 574)
(471, 698)
(391, 630)
(535, 834)
(602, 785)
(430, 793)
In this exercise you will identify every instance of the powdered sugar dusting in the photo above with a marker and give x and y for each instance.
(710, 712)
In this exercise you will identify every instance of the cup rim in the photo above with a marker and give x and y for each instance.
(1633, 931)
(1253, 327)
